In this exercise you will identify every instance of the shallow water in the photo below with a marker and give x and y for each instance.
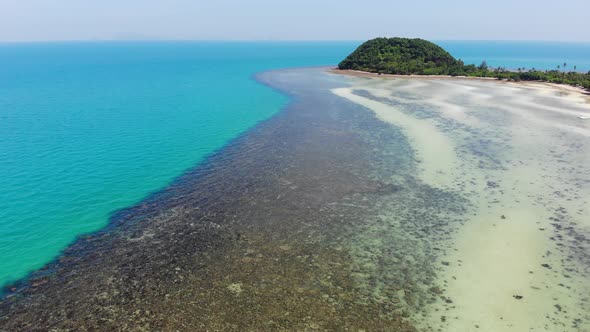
(519, 155)
(314, 219)
(337, 214)
(88, 128)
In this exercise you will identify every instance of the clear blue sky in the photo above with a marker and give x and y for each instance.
(27, 20)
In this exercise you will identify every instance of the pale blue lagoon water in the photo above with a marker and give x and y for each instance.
(90, 128)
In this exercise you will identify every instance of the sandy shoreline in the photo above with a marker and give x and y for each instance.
(561, 87)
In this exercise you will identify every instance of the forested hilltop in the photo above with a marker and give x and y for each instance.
(406, 56)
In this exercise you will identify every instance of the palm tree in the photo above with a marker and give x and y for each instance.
(564, 65)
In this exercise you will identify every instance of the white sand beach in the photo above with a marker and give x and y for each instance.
(520, 153)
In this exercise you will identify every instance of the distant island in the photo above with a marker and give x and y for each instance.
(404, 56)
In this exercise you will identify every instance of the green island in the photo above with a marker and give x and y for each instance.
(405, 56)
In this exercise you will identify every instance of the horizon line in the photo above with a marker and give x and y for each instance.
(97, 40)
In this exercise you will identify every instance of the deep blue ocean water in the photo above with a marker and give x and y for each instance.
(88, 128)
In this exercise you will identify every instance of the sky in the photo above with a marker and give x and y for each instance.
(51, 20)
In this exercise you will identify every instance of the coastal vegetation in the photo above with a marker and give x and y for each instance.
(401, 56)
(404, 56)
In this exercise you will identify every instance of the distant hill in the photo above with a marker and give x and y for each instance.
(406, 56)
(402, 56)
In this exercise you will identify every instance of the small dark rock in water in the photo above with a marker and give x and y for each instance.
(435, 290)
(445, 263)
(546, 265)
(558, 307)
(518, 297)
(387, 188)
(492, 184)
(503, 217)
(38, 282)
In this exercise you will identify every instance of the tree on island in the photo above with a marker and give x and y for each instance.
(401, 56)
(483, 65)
(421, 57)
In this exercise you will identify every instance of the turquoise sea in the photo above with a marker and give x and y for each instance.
(522, 54)
(88, 128)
